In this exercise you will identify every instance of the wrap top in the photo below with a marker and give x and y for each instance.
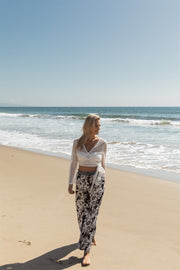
(94, 158)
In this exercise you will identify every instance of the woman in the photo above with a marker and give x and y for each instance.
(88, 156)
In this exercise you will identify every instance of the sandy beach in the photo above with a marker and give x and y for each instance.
(137, 228)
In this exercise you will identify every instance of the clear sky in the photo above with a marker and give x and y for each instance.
(90, 52)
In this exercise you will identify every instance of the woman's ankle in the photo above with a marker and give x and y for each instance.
(86, 259)
(86, 253)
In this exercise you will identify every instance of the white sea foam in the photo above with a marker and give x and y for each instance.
(142, 122)
(10, 114)
(145, 156)
(125, 120)
(32, 141)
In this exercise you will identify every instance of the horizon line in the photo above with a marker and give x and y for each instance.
(78, 106)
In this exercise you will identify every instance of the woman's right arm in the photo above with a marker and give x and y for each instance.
(73, 167)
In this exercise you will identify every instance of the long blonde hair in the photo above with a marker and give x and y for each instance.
(89, 123)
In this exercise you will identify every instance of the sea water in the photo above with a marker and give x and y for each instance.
(140, 139)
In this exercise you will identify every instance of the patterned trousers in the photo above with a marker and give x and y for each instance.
(87, 206)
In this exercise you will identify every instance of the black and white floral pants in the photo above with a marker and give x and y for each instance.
(87, 206)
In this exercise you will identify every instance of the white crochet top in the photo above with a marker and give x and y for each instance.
(94, 158)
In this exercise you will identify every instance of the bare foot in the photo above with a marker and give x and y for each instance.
(86, 259)
(94, 241)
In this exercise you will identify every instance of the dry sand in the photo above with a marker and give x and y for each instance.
(138, 225)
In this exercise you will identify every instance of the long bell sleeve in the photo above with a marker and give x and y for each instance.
(104, 154)
(74, 163)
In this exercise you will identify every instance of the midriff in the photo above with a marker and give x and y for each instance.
(87, 169)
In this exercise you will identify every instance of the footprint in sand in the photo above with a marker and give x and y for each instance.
(27, 243)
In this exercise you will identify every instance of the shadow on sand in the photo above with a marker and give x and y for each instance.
(49, 261)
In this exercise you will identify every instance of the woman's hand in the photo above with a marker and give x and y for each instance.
(70, 189)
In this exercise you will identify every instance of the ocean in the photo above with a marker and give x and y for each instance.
(140, 139)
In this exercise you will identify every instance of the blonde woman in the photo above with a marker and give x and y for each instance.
(87, 170)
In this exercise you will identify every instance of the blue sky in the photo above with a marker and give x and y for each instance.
(90, 52)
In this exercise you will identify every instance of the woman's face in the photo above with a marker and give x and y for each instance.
(95, 130)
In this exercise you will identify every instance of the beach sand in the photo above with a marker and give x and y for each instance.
(138, 225)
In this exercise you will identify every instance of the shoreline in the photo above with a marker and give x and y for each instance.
(163, 175)
(139, 218)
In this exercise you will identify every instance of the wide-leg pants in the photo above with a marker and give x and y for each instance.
(87, 206)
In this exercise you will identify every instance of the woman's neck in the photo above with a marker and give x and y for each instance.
(92, 138)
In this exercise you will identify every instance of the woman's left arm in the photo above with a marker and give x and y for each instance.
(104, 151)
